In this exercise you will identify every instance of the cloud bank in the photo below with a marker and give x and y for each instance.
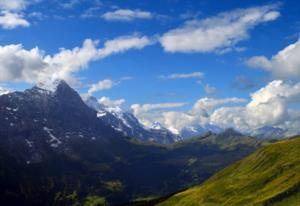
(269, 106)
(33, 66)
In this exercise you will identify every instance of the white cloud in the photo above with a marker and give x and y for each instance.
(176, 121)
(207, 104)
(102, 85)
(126, 15)
(19, 64)
(106, 84)
(209, 90)
(11, 13)
(122, 44)
(285, 64)
(10, 20)
(13, 5)
(149, 113)
(111, 103)
(182, 75)
(269, 106)
(199, 115)
(218, 33)
(33, 66)
(149, 107)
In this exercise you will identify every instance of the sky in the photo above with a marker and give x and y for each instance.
(179, 62)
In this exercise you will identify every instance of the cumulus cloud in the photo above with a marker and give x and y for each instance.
(11, 15)
(218, 33)
(269, 106)
(149, 113)
(102, 85)
(10, 20)
(32, 66)
(182, 75)
(284, 65)
(126, 15)
(199, 115)
(175, 120)
(111, 103)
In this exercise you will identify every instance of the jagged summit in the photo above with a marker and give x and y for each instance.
(51, 85)
(49, 120)
(230, 132)
(157, 125)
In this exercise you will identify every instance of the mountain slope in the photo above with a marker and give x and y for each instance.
(270, 176)
(55, 150)
(129, 125)
(38, 120)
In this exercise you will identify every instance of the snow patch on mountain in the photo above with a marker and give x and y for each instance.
(127, 123)
(54, 141)
(157, 125)
(4, 91)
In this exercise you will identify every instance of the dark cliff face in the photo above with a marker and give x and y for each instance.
(39, 120)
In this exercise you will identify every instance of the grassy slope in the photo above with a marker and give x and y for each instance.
(270, 176)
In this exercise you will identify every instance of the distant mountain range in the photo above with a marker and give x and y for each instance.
(129, 125)
(125, 122)
(56, 150)
(270, 176)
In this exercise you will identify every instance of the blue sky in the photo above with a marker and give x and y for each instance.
(135, 74)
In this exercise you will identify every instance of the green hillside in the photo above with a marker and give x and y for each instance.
(268, 177)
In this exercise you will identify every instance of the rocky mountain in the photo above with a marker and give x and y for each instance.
(3, 91)
(55, 150)
(197, 130)
(269, 176)
(37, 120)
(129, 125)
(269, 132)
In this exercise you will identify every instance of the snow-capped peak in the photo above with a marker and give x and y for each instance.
(93, 103)
(157, 126)
(50, 85)
(4, 91)
(112, 113)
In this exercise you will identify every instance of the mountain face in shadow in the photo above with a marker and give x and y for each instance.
(55, 150)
